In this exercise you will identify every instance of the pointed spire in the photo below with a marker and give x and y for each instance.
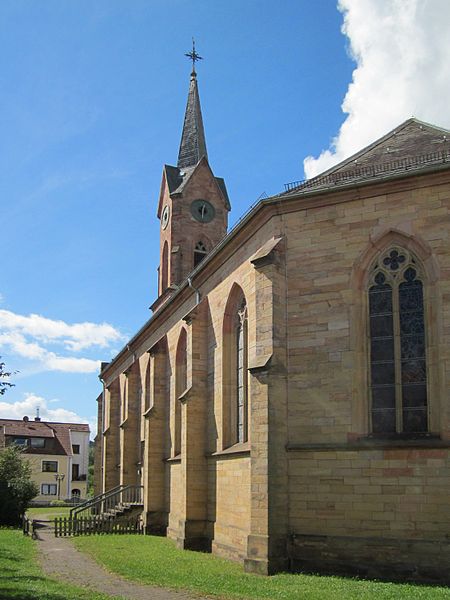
(193, 143)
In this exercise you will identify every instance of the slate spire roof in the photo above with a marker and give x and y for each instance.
(193, 143)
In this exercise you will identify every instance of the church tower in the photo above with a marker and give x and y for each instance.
(193, 203)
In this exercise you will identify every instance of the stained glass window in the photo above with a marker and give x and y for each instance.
(180, 387)
(398, 376)
(241, 374)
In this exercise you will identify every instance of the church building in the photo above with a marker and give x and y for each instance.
(287, 403)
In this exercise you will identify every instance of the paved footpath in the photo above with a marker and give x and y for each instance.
(61, 560)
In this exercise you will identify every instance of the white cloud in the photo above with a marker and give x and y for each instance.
(19, 345)
(48, 361)
(28, 406)
(401, 51)
(71, 365)
(75, 337)
(29, 337)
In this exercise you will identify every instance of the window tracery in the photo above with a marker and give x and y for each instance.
(200, 252)
(235, 370)
(398, 373)
(241, 374)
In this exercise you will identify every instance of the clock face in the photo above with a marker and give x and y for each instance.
(203, 211)
(165, 217)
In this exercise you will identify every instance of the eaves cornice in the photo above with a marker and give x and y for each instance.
(253, 220)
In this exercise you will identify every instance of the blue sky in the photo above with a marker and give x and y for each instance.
(92, 98)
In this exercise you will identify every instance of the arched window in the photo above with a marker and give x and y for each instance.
(164, 282)
(241, 374)
(180, 387)
(235, 373)
(199, 253)
(397, 344)
(147, 386)
(124, 398)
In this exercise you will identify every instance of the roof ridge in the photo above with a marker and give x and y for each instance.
(376, 143)
(435, 127)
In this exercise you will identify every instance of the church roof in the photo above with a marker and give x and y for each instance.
(412, 146)
(417, 147)
(177, 178)
(193, 142)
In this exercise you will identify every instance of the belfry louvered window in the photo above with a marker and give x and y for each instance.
(398, 373)
(199, 253)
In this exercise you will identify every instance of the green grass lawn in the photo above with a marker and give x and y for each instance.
(21, 577)
(49, 512)
(156, 561)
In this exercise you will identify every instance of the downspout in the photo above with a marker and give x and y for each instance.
(197, 292)
(132, 353)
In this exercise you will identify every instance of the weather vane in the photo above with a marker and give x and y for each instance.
(193, 55)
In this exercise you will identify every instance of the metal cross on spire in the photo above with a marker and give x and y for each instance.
(193, 56)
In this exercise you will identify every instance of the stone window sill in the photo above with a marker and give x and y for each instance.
(242, 449)
(377, 442)
(147, 412)
(174, 459)
(184, 396)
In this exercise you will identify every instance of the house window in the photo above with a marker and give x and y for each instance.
(75, 472)
(199, 253)
(75, 448)
(48, 489)
(49, 466)
(20, 441)
(398, 373)
(37, 442)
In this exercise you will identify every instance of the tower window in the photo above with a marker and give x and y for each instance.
(164, 273)
(199, 253)
(397, 345)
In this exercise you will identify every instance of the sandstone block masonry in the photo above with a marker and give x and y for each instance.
(251, 410)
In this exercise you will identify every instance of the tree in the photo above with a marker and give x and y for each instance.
(4, 385)
(16, 487)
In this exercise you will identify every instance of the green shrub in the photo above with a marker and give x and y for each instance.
(16, 487)
(58, 503)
